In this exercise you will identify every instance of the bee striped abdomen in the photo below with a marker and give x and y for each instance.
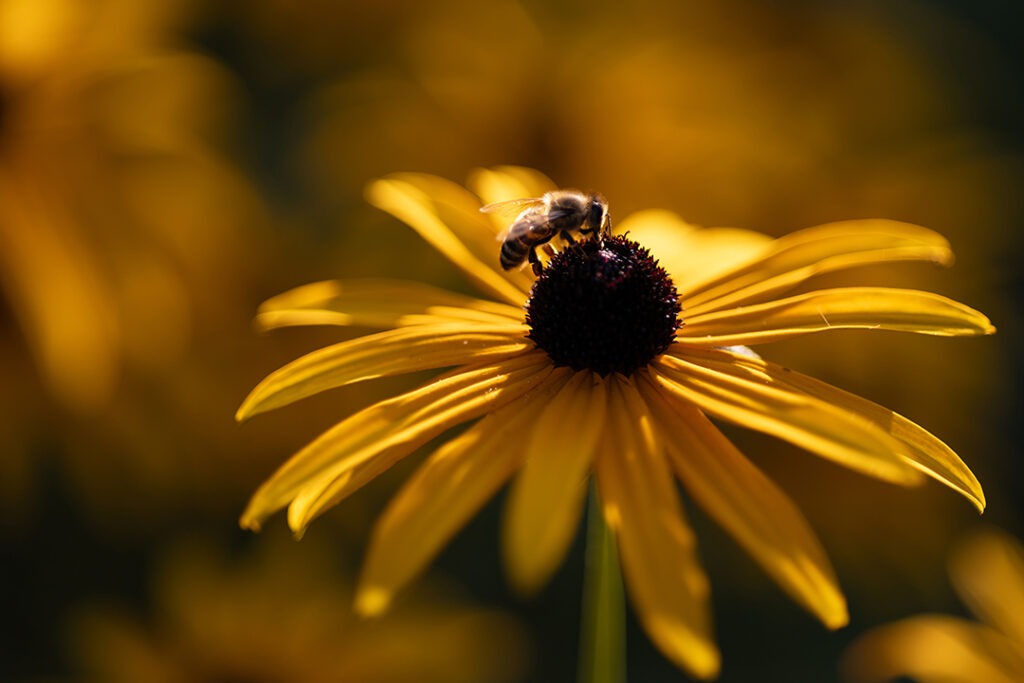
(514, 252)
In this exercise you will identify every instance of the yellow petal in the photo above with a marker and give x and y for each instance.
(59, 294)
(748, 505)
(988, 573)
(709, 379)
(376, 303)
(448, 489)
(934, 649)
(793, 258)
(370, 441)
(546, 499)
(924, 451)
(502, 183)
(663, 576)
(393, 352)
(332, 487)
(449, 218)
(882, 308)
(691, 254)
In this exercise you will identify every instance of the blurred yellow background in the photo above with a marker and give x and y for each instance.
(167, 165)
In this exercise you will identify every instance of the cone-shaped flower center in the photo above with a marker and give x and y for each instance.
(604, 305)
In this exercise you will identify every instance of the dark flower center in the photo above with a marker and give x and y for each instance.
(603, 304)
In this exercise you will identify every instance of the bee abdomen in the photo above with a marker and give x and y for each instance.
(513, 253)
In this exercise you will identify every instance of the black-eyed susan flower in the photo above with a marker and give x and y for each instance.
(987, 570)
(612, 373)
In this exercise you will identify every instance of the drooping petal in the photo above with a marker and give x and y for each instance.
(368, 442)
(988, 572)
(748, 505)
(924, 451)
(691, 254)
(377, 303)
(736, 394)
(449, 218)
(448, 489)
(503, 183)
(546, 498)
(393, 352)
(793, 258)
(882, 308)
(666, 584)
(934, 649)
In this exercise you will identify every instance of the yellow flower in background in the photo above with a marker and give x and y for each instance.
(987, 571)
(615, 371)
(116, 210)
(129, 243)
(284, 614)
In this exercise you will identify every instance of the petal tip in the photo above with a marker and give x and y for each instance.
(695, 653)
(249, 408)
(944, 256)
(524, 584)
(705, 664)
(837, 618)
(250, 522)
(373, 189)
(254, 404)
(298, 521)
(264, 321)
(383, 192)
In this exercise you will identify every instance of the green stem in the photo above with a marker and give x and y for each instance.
(603, 628)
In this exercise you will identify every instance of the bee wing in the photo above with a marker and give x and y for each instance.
(530, 224)
(511, 207)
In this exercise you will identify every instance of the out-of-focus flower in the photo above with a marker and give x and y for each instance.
(299, 41)
(987, 571)
(130, 247)
(284, 614)
(727, 110)
(116, 211)
(605, 376)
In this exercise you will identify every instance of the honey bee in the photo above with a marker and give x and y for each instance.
(540, 219)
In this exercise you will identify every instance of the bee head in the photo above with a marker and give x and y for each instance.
(597, 213)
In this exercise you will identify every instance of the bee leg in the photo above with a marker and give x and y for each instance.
(565, 235)
(535, 262)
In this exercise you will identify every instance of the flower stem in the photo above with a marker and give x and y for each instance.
(603, 628)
